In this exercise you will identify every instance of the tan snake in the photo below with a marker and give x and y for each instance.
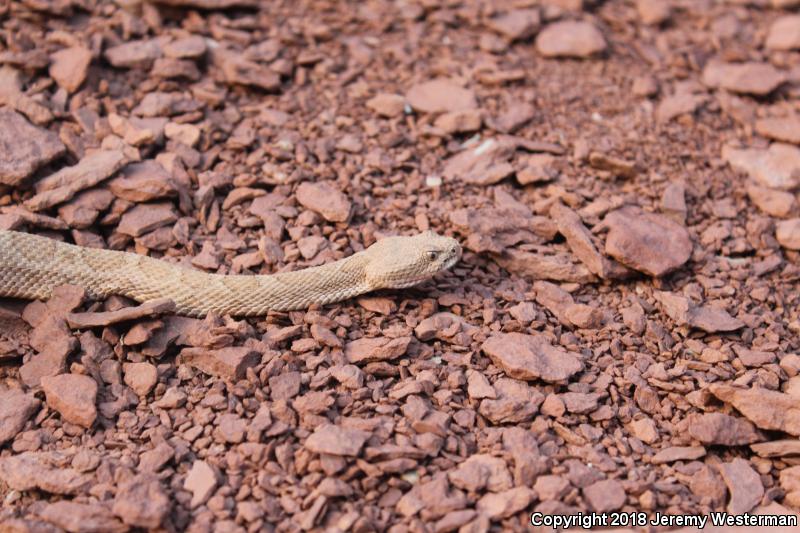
(32, 266)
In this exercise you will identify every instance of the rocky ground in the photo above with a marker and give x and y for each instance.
(621, 334)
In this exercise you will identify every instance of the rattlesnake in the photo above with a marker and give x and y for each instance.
(32, 266)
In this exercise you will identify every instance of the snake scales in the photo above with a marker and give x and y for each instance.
(32, 266)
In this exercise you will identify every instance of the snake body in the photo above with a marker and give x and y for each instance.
(32, 266)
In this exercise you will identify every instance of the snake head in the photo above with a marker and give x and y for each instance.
(398, 262)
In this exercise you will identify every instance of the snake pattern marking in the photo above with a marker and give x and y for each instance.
(31, 266)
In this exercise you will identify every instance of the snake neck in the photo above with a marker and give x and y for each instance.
(324, 284)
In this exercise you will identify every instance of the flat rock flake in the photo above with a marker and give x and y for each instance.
(622, 332)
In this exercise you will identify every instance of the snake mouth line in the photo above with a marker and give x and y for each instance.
(451, 261)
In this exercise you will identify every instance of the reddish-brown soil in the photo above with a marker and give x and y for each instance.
(622, 333)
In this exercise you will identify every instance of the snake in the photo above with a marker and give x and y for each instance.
(31, 266)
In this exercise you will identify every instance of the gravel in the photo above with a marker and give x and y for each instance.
(622, 332)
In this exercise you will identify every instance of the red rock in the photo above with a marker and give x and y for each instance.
(15, 525)
(516, 402)
(481, 471)
(605, 496)
(141, 332)
(387, 104)
(785, 129)
(751, 77)
(784, 33)
(144, 218)
(325, 200)
(453, 520)
(12, 95)
(653, 12)
(142, 502)
(516, 24)
(553, 406)
(722, 429)
(550, 267)
(133, 54)
(82, 518)
(377, 304)
(211, 4)
(447, 327)
(440, 96)
(350, 376)
(684, 311)
(237, 70)
(524, 312)
(459, 121)
(776, 167)
(678, 453)
(146, 310)
(172, 399)
(201, 482)
(240, 195)
(551, 487)
(485, 164)
(647, 242)
(25, 147)
(143, 182)
(579, 402)
(16, 408)
(228, 363)
(171, 68)
(777, 448)
(69, 181)
(765, 408)
(284, 386)
(30, 470)
(368, 350)
(680, 103)
(478, 386)
(615, 166)
(187, 134)
(644, 429)
(73, 396)
(531, 357)
(787, 233)
(82, 211)
(231, 428)
(311, 245)
(753, 358)
(569, 38)
(584, 316)
(554, 299)
(506, 503)
(154, 460)
(434, 498)
(141, 377)
(336, 440)
(160, 104)
(539, 168)
(68, 67)
(496, 230)
(707, 484)
(580, 242)
(744, 485)
(191, 47)
(773, 202)
(516, 115)
(52, 340)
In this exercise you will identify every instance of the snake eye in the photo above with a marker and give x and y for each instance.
(431, 255)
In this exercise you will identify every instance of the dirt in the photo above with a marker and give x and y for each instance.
(621, 334)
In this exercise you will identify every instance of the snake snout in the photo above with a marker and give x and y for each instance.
(453, 254)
